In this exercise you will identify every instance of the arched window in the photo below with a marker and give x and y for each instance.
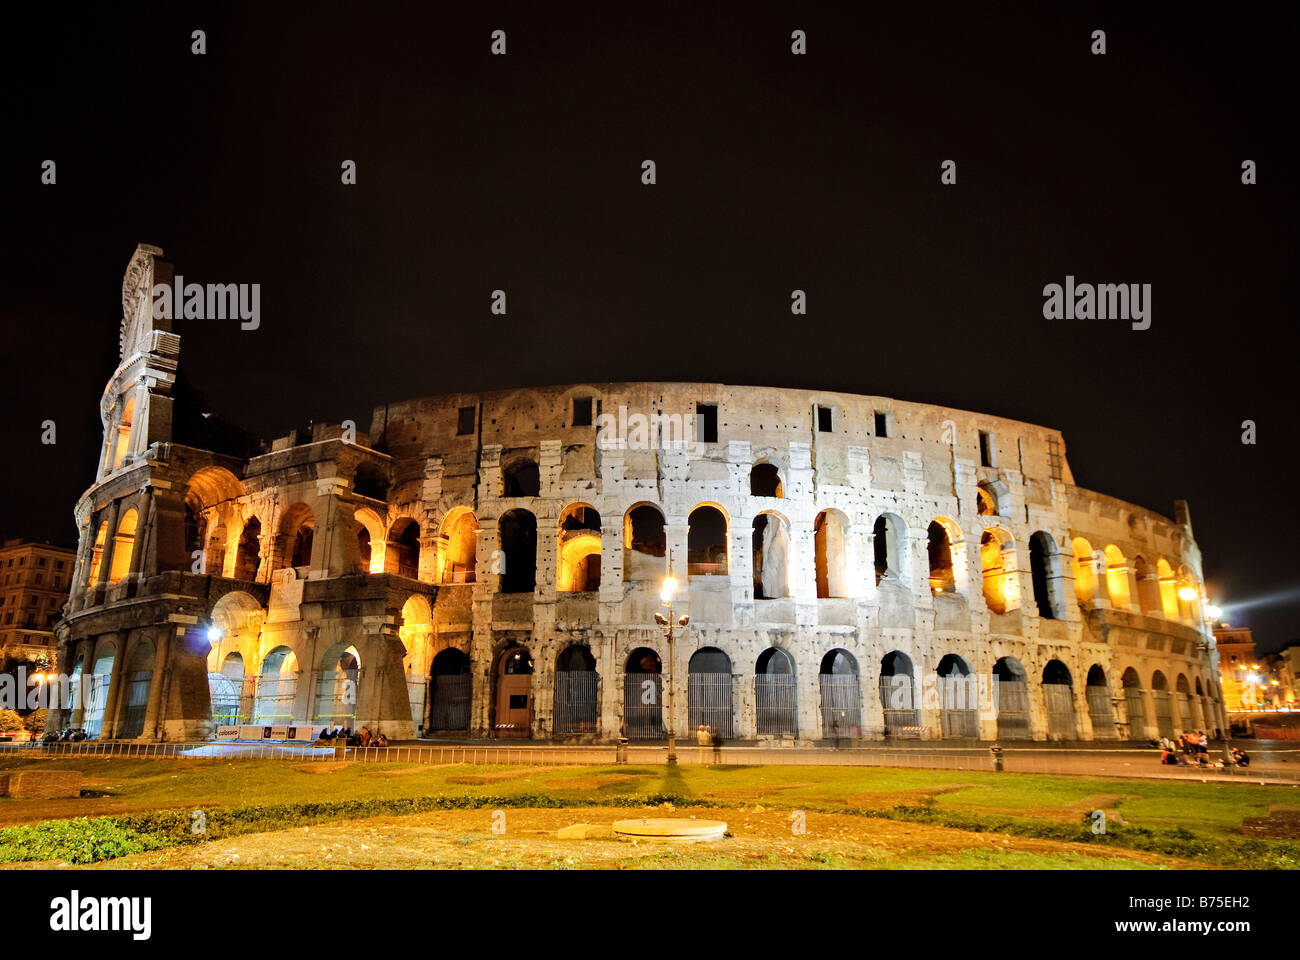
(888, 544)
(898, 695)
(958, 699)
(1012, 699)
(1148, 591)
(1045, 572)
(830, 562)
(517, 530)
(458, 547)
(1117, 578)
(521, 478)
(97, 556)
(645, 546)
(775, 693)
(1168, 589)
(404, 548)
(123, 547)
(998, 564)
(706, 542)
(771, 556)
(1058, 697)
(122, 442)
(708, 691)
(765, 481)
(577, 702)
(297, 532)
(1085, 573)
(248, 552)
(642, 695)
(841, 695)
(579, 550)
(939, 547)
(370, 481)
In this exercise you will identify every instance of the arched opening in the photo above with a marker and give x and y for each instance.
(97, 554)
(830, 561)
(577, 692)
(1135, 704)
(1168, 589)
(898, 696)
(645, 546)
(225, 690)
(451, 691)
(96, 697)
(402, 554)
(297, 533)
(888, 544)
(458, 547)
(986, 504)
(939, 548)
(958, 699)
(841, 695)
(998, 567)
(708, 692)
(194, 527)
(1101, 710)
(776, 693)
(518, 532)
(77, 694)
(521, 478)
(642, 693)
(1011, 695)
(277, 688)
(765, 481)
(1183, 700)
(706, 542)
(1189, 594)
(1163, 701)
(370, 481)
(578, 550)
(1117, 578)
(1045, 573)
(122, 442)
(337, 682)
(1058, 698)
(123, 546)
(416, 635)
(135, 691)
(214, 551)
(370, 541)
(1085, 571)
(770, 552)
(514, 698)
(248, 553)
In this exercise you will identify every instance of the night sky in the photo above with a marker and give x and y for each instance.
(775, 172)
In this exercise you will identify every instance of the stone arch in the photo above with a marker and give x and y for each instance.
(521, 478)
(577, 692)
(121, 442)
(416, 633)
(643, 695)
(1045, 575)
(776, 693)
(707, 542)
(1058, 697)
(96, 696)
(1011, 695)
(898, 695)
(958, 699)
(578, 549)
(708, 692)
(1135, 702)
(458, 546)
(370, 540)
(841, 695)
(830, 554)
(770, 555)
(402, 548)
(123, 547)
(993, 499)
(276, 687)
(248, 551)
(1101, 710)
(1148, 591)
(226, 690)
(1001, 583)
(370, 481)
(1117, 577)
(1168, 589)
(97, 553)
(512, 713)
(517, 530)
(338, 680)
(890, 548)
(645, 544)
(137, 682)
(942, 536)
(1163, 699)
(1085, 571)
(451, 693)
(296, 535)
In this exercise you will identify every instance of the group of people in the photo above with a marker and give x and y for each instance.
(361, 738)
(66, 735)
(1193, 748)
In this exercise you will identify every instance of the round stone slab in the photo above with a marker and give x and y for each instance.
(668, 828)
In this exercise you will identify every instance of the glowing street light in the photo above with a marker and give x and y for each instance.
(1187, 593)
(1214, 612)
(666, 595)
(214, 634)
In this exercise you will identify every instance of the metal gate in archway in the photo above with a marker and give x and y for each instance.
(708, 699)
(577, 708)
(1101, 712)
(643, 706)
(1058, 698)
(1164, 712)
(1012, 699)
(1137, 713)
(137, 703)
(841, 705)
(898, 700)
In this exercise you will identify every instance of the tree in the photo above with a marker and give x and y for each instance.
(34, 722)
(10, 721)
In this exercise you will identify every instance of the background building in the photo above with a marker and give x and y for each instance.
(34, 583)
(490, 564)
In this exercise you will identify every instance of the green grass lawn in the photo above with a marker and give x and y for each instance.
(1204, 819)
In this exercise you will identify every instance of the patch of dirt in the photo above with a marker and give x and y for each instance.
(477, 779)
(323, 766)
(597, 781)
(897, 798)
(465, 839)
(1069, 812)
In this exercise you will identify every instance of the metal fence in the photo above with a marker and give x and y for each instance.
(708, 699)
(273, 702)
(577, 707)
(643, 706)
(1061, 719)
(336, 698)
(1164, 712)
(1101, 712)
(137, 704)
(1137, 712)
(451, 702)
(1184, 710)
(958, 710)
(776, 701)
(841, 705)
(1012, 699)
(898, 700)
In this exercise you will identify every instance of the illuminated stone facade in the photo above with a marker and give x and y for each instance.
(490, 564)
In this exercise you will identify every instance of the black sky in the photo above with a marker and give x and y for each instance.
(775, 172)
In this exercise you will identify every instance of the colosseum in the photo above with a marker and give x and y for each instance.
(476, 565)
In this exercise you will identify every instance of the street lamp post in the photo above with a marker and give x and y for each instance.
(666, 595)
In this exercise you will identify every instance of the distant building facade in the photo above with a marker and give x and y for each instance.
(35, 579)
(490, 565)
(1251, 681)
